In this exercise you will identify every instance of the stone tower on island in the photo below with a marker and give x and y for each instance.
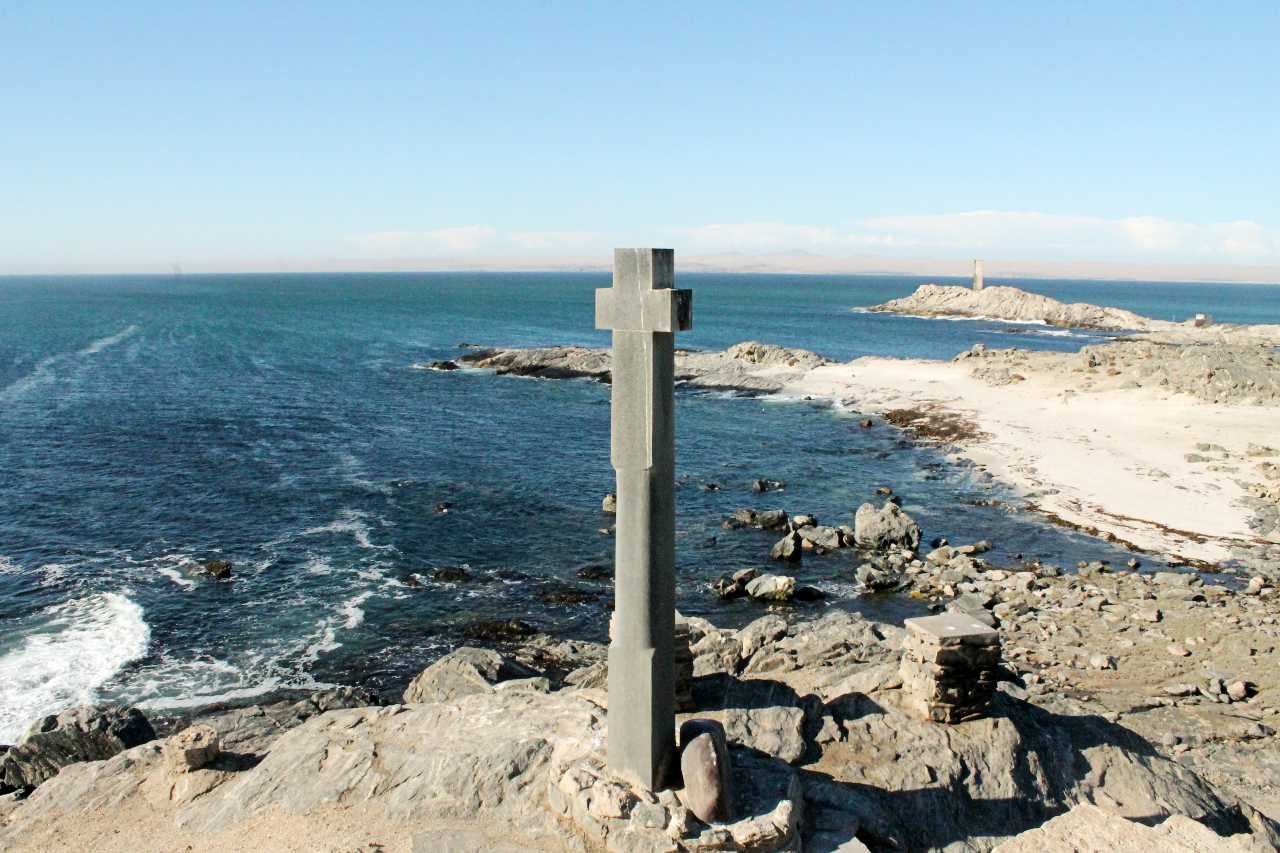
(977, 275)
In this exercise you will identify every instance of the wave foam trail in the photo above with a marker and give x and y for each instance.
(63, 663)
(43, 371)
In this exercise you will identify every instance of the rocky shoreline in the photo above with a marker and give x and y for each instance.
(1149, 695)
(1092, 439)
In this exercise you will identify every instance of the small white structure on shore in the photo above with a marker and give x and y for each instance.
(1202, 320)
(977, 275)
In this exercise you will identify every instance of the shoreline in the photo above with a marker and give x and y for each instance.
(1146, 464)
(1103, 462)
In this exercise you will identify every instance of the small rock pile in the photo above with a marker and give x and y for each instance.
(949, 667)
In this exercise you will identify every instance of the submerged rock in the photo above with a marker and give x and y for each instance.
(217, 569)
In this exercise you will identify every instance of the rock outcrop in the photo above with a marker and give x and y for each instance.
(87, 733)
(464, 672)
(886, 527)
(1011, 303)
(823, 752)
(748, 366)
(1087, 827)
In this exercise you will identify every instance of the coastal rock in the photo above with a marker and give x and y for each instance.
(252, 729)
(86, 733)
(1011, 303)
(820, 538)
(705, 770)
(217, 569)
(521, 769)
(1088, 827)
(464, 672)
(889, 526)
(192, 748)
(768, 486)
(609, 504)
(772, 588)
(788, 548)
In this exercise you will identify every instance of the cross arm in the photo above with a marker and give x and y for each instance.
(663, 310)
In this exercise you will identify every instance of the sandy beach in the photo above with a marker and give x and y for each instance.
(1112, 460)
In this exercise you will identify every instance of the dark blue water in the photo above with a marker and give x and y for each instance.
(148, 424)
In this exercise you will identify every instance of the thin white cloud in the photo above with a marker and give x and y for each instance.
(1031, 234)
(757, 237)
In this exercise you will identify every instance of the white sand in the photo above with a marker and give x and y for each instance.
(1111, 460)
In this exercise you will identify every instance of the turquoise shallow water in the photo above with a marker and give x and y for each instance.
(277, 421)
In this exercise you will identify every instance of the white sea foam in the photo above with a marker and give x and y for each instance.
(318, 564)
(8, 566)
(353, 522)
(44, 370)
(349, 616)
(177, 577)
(65, 661)
(109, 341)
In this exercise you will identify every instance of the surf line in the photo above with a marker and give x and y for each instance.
(43, 371)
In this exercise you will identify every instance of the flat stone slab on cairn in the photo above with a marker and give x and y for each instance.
(949, 665)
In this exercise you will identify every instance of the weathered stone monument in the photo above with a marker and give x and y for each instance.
(644, 313)
(977, 275)
(949, 667)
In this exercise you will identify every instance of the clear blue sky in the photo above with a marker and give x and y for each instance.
(135, 135)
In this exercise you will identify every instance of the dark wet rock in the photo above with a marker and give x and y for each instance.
(567, 595)
(766, 485)
(443, 507)
(498, 630)
(875, 579)
(711, 487)
(451, 574)
(86, 733)
(771, 519)
(805, 592)
(735, 585)
(595, 572)
(443, 365)
(866, 423)
(217, 569)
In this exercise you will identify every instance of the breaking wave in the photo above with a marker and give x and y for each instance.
(63, 663)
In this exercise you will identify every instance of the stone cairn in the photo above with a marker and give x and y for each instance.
(949, 665)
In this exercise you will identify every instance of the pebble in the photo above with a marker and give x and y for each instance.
(1178, 650)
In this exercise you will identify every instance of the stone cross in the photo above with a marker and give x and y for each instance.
(644, 313)
(977, 275)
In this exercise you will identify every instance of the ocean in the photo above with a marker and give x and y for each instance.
(148, 424)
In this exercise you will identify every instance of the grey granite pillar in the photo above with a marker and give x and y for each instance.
(977, 275)
(644, 313)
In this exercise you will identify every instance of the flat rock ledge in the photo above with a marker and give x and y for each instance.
(825, 753)
(749, 366)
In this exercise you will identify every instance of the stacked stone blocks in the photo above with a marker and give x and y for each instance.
(949, 667)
